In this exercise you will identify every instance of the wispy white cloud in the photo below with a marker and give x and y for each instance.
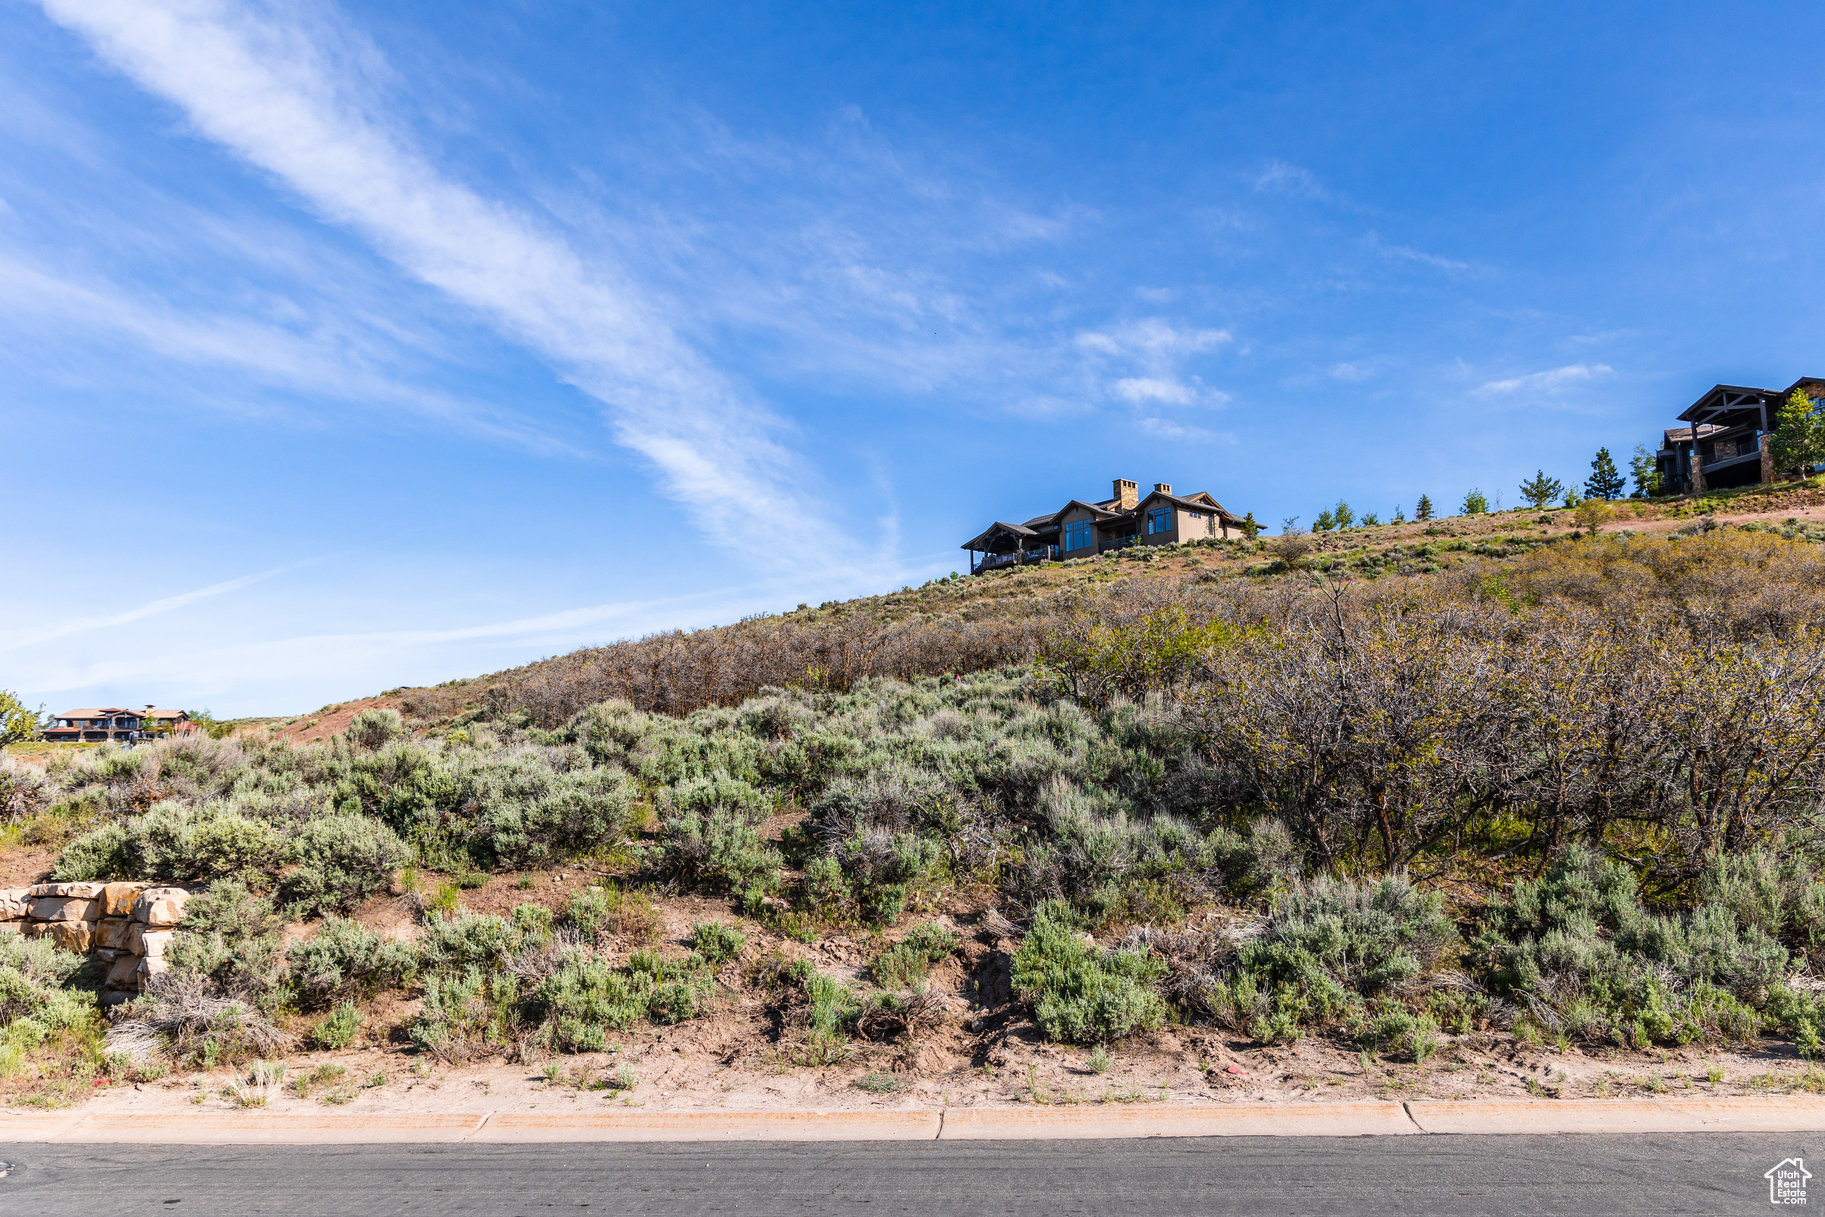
(1550, 381)
(1165, 428)
(66, 626)
(1406, 253)
(1157, 350)
(291, 97)
(1139, 389)
(1283, 178)
(1153, 340)
(71, 313)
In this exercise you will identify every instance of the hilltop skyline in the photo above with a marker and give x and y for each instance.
(351, 346)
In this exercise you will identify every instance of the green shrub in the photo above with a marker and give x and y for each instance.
(1080, 993)
(474, 940)
(1326, 947)
(374, 728)
(883, 870)
(337, 1029)
(345, 958)
(1579, 951)
(175, 842)
(520, 810)
(337, 862)
(905, 963)
(459, 1017)
(719, 851)
(717, 941)
(230, 938)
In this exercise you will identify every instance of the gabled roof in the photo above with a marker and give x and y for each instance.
(1680, 435)
(1201, 501)
(107, 713)
(1016, 531)
(1102, 510)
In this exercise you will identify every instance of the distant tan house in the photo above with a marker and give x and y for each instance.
(94, 726)
(1725, 440)
(1081, 530)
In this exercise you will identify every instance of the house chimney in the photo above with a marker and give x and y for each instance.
(1127, 493)
(1162, 488)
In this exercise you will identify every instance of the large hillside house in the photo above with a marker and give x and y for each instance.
(117, 723)
(1080, 529)
(1724, 441)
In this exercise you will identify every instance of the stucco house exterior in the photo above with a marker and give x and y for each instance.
(116, 723)
(1082, 529)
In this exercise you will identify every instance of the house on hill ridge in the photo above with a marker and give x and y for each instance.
(1080, 529)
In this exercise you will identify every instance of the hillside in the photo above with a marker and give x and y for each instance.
(1479, 805)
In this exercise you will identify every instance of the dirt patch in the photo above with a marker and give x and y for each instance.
(329, 721)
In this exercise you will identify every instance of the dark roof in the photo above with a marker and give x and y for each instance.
(1200, 501)
(1680, 435)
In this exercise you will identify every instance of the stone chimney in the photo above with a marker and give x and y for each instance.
(1162, 488)
(1127, 493)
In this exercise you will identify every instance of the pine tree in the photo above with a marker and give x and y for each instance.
(1541, 490)
(1251, 528)
(1324, 522)
(1423, 509)
(1604, 482)
(1399, 516)
(1343, 514)
(1475, 504)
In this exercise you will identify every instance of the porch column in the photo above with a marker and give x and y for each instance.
(1698, 464)
(1761, 440)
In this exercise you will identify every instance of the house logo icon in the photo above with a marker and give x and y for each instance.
(1787, 1182)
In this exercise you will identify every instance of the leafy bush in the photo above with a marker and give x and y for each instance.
(719, 851)
(1578, 951)
(338, 1028)
(229, 939)
(374, 728)
(718, 942)
(1081, 993)
(343, 959)
(179, 843)
(905, 963)
(338, 861)
(1325, 948)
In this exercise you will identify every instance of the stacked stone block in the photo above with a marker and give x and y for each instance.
(127, 926)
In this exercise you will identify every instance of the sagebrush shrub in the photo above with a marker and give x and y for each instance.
(344, 958)
(374, 728)
(1082, 993)
(338, 861)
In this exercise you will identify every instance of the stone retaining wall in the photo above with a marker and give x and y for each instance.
(127, 926)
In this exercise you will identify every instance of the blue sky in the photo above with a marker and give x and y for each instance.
(348, 346)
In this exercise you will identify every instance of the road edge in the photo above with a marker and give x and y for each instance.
(1415, 1117)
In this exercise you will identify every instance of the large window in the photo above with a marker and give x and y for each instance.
(1159, 519)
(1079, 535)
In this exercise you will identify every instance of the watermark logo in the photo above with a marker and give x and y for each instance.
(1787, 1182)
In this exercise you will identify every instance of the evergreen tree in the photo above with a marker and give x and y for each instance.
(1422, 510)
(1475, 504)
(1399, 516)
(1604, 482)
(1798, 437)
(1251, 528)
(1324, 522)
(1541, 490)
(1343, 515)
(1370, 519)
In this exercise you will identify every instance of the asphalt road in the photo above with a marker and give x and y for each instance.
(1596, 1175)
